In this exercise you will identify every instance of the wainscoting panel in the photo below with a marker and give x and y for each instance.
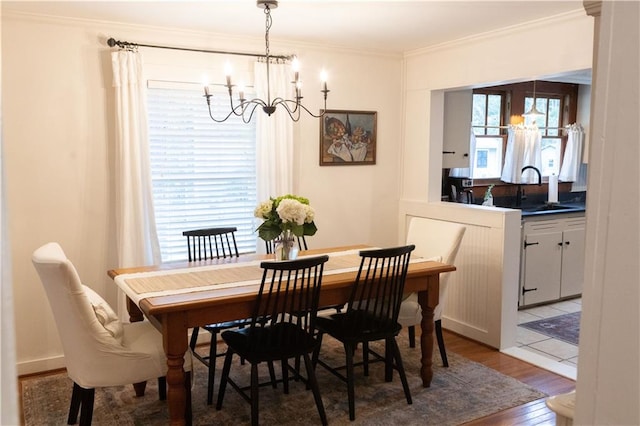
(467, 296)
(482, 299)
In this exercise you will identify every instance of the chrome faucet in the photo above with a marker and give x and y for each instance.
(520, 192)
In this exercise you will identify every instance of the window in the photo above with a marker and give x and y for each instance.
(549, 128)
(494, 107)
(203, 173)
(486, 119)
(487, 112)
(488, 162)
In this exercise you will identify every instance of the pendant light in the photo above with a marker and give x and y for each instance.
(533, 112)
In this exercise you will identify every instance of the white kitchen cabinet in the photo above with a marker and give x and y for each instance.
(457, 128)
(552, 261)
(572, 260)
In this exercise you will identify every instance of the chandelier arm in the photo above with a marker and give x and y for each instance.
(232, 112)
(301, 106)
(292, 113)
(234, 109)
(246, 119)
(244, 104)
(278, 101)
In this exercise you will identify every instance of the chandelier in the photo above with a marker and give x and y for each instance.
(245, 108)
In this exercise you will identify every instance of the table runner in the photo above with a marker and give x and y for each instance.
(142, 285)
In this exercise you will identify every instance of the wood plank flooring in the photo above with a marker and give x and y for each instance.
(530, 414)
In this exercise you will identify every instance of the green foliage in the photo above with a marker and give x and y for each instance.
(295, 215)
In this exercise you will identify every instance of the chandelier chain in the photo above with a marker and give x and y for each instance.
(268, 21)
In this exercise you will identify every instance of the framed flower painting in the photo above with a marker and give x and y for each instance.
(348, 138)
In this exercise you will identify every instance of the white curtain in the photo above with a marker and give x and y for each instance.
(572, 154)
(467, 171)
(524, 148)
(274, 133)
(274, 138)
(136, 238)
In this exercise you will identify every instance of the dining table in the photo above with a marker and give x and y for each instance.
(177, 296)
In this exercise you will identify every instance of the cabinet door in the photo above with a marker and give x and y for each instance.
(542, 267)
(572, 262)
(457, 128)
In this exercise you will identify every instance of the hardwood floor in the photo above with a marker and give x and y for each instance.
(532, 413)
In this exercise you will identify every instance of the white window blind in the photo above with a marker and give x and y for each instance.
(203, 172)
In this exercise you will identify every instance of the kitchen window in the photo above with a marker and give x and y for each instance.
(495, 107)
(486, 119)
(549, 128)
(203, 173)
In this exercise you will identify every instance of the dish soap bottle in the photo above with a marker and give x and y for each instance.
(488, 197)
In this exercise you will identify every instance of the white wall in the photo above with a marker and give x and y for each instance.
(608, 388)
(59, 137)
(562, 44)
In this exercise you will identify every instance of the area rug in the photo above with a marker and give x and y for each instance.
(563, 327)
(465, 391)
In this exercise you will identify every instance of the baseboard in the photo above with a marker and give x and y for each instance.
(40, 365)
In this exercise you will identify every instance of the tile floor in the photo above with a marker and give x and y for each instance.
(556, 350)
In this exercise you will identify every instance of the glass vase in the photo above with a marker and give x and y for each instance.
(286, 247)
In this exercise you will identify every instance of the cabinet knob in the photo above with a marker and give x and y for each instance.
(560, 244)
(567, 242)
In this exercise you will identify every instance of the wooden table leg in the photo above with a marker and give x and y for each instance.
(135, 314)
(175, 337)
(428, 300)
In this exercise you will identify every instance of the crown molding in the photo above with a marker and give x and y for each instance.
(501, 32)
(592, 7)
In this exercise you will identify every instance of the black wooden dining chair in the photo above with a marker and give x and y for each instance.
(203, 244)
(282, 327)
(211, 243)
(371, 315)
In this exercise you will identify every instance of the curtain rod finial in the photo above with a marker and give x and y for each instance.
(111, 42)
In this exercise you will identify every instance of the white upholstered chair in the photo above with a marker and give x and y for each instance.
(99, 350)
(437, 240)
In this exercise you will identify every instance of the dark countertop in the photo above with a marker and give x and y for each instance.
(553, 210)
(536, 204)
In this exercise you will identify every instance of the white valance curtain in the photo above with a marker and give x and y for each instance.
(524, 148)
(467, 172)
(136, 237)
(569, 172)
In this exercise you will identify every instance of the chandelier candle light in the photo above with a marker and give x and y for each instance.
(246, 107)
(285, 217)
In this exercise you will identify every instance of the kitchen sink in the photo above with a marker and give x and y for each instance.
(546, 207)
(539, 209)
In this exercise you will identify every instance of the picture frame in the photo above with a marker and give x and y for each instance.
(348, 138)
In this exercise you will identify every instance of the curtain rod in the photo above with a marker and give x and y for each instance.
(567, 127)
(125, 44)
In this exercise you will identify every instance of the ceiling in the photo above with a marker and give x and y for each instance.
(378, 26)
